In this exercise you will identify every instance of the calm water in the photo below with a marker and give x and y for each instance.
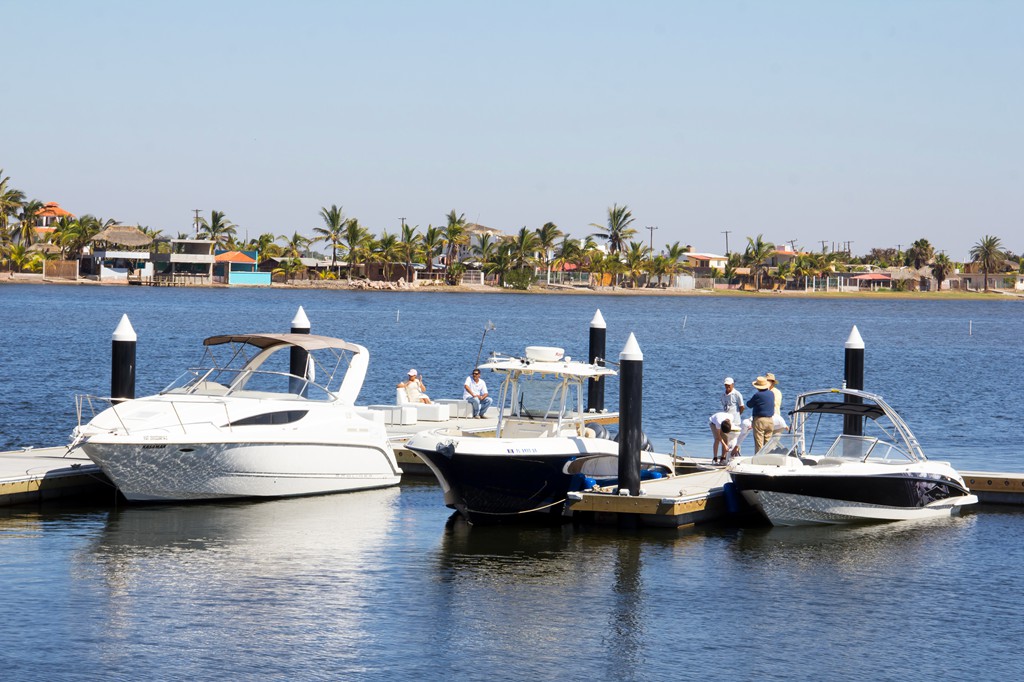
(378, 585)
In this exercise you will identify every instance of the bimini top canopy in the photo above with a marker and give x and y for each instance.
(304, 341)
(563, 368)
(831, 407)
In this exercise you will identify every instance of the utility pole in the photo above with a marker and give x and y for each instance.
(824, 243)
(403, 222)
(792, 245)
(726, 233)
(652, 228)
(196, 210)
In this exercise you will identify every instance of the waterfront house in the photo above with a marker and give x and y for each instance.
(46, 219)
(119, 252)
(238, 268)
(185, 261)
(703, 263)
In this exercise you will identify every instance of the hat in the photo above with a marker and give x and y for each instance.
(771, 377)
(729, 381)
(413, 372)
(761, 383)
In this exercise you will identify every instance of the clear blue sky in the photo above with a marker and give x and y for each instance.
(874, 122)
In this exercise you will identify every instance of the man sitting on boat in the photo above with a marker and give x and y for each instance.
(474, 390)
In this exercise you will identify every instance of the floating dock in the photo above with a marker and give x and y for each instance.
(675, 502)
(35, 475)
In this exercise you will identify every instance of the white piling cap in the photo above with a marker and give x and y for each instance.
(631, 351)
(125, 331)
(854, 342)
(300, 321)
(598, 321)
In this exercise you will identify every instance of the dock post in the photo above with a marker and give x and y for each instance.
(854, 378)
(631, 388)
(299, 357)
(122, 362)
(595, 386)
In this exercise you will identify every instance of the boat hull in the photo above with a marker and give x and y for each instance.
(492, 480)
(791, 500)
(150, 471)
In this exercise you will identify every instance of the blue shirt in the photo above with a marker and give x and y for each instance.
(762, 403)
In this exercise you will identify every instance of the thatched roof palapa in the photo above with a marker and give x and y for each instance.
(123, 235)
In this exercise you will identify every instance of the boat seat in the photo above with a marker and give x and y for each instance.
(425, 412)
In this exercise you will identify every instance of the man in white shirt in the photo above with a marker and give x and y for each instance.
(732, 402)
(475, 391)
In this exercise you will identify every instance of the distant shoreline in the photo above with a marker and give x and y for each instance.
(543, 290)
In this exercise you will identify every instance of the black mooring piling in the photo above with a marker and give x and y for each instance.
(853, 376)
(122, 362)
(595, 386)
(299, 356)
(631, 388)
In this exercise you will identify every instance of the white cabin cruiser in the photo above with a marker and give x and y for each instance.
(821, 473)
(542, 448)
(246, 427)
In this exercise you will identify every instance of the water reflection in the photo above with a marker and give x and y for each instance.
(260, 578)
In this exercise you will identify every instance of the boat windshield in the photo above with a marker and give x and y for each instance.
(543, 396)
(268, 376)
(866, 449)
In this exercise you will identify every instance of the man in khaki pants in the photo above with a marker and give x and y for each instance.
(762, 407)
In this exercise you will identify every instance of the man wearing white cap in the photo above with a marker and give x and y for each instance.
(732, 402)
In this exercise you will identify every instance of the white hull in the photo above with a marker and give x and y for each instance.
(784, 509)
(194, 471)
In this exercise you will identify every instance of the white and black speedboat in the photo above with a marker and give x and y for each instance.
(825, 471)
(243, 425)
(543, 446)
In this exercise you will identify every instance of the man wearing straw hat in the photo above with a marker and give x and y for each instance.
(762, 407)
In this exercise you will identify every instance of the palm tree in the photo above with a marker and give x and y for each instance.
(294, 245)
(331, 232)
(20, 257)
(784, 271)
(674, 254)
(10, 201)
(636, 261)
(289, 267)
(618, 229)
(265, 246)
(433, 242)
(524, 246)
(920, 253)
(25, 231)
(756, 255)
(988, 253)
(546, 236)
(356, 239)
(500, 262)
(409, 244)
(568, 252)
(454, 238)
(387, 250)
(485, 247)
(218, 229)
(941, 269)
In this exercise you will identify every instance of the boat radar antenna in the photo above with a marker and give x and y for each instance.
(487, 327)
